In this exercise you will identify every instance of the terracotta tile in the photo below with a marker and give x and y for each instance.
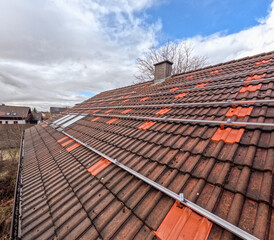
(183, 222)
(249, 209)
(218, 173)
(190, 163)
(224, 204)
(204, 196)
(234, 180)
(228, 135)
(159, 212)
(169, 156)
(180, 142)
(129, 229)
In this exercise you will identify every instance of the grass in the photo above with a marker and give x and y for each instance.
(8, 171)
(10, 136)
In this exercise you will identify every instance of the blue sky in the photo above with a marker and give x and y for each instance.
(87, 94)
(182, 19)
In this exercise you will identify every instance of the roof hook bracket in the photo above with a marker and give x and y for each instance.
(182, 198)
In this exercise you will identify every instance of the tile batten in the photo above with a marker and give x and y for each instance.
(162, 71)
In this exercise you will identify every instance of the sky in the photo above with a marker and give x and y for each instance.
(61, 52)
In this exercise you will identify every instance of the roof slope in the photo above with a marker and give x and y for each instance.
(174, 133)
(14, 111)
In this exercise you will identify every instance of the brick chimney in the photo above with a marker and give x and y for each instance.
(162, 71)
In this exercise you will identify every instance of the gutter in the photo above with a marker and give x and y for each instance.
(15, 221)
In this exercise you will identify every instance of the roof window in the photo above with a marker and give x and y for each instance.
(67, 120)
(73, 120)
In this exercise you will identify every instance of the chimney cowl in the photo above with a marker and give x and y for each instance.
(162, 71)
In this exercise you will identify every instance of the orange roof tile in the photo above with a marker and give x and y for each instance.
(74, 146)
(215, 71)
(144, 99)
(146, 125)
(98, 167)
(256, 77)
(95, 119)
(239, 112)
(173, 89)
(263, 61)
(182, 223)
(250, 88)
(181, 95)
(67, 142)
(108, 111)
(126, 111)
(228, 135)
(189, 77)
(62, 139)
(112, 120)
(162, 111)
(201, 85)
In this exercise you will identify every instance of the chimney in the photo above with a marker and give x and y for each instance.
(162, 71)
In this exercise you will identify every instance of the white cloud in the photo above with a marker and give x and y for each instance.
(221, 48)
(50, 51)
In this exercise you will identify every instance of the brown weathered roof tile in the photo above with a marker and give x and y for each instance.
(61, 199)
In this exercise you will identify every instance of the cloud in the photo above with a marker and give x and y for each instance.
(52, 50)
(220, 47)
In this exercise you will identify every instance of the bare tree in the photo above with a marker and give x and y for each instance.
(181, 54)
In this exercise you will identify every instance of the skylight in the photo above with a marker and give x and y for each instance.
(73, 120)
(67, 120)
(63, 119)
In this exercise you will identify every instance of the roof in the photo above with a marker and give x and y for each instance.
(57, 110)
(37, 116)
(13, 111)
(115, 166)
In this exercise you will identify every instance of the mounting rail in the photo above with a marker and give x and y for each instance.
(178, 120)
(211, 79)
(214, 218)
(172, 105)
(192, 89)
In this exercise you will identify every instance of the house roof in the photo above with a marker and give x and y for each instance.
(37, 116)
(207, 134)
(13, 112)
(57, 110)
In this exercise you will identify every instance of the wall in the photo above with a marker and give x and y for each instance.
(12, 121)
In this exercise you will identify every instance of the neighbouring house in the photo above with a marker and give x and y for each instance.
(36, 118)
(54, 111)
(18, 115)
(188, 156)
(14, 115)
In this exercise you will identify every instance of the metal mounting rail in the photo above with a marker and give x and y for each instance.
(174, 105)
(212, 79)
(165, 119)
(214, 218)
(219, 78)
(191, 89)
